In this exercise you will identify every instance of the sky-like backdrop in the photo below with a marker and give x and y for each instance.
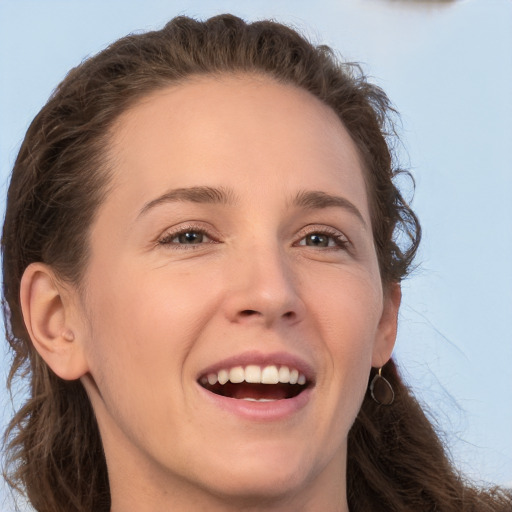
(447, 67)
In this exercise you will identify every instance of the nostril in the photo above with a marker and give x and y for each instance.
(252, 312)
(248, 312)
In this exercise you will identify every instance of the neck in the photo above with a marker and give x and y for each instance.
(141, 488)
(190, 498)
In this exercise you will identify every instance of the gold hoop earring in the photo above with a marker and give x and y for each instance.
(381, 390)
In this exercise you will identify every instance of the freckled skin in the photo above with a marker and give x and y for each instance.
(158, 310)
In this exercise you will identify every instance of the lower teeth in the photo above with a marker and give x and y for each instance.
(258, 399)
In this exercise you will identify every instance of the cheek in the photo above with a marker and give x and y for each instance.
(141, 331)
(141, 334)
(349, 304)
(346, 313)
(348, 316)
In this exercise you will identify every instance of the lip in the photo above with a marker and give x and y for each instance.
(259, 411)
(260, 359)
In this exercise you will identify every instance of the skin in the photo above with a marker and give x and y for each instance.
(156, 312)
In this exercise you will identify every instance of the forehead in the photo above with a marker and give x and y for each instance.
(244, 128)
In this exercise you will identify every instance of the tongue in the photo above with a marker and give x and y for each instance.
(256, 391)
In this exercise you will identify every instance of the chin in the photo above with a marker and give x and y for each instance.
(259, 486)
(272, 475)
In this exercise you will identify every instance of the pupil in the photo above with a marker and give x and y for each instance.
(317, 240)
(191, 237)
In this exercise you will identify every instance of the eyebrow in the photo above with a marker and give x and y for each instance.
(316, 200)
(201, 194)
(307, 199)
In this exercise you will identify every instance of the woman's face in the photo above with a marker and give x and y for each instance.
(235, 243)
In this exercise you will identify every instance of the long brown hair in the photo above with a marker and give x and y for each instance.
(54, 452)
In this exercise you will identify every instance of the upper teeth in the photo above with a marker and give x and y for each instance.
(256, 375)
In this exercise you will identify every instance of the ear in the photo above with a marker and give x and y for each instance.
(48, 312)
(388, 325)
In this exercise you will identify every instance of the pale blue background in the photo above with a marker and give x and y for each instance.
(448, 68)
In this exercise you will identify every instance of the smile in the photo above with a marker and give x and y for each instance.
(256, 383)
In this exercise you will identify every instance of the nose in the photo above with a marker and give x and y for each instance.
(263, 288)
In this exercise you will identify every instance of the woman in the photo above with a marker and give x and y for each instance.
(202, 281)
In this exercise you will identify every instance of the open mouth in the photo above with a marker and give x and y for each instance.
(256, 383)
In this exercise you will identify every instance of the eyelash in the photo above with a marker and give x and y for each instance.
(167, 239)
(340, 241)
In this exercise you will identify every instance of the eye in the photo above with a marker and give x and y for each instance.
(318, 240)
(189, 236)
(324, 239)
